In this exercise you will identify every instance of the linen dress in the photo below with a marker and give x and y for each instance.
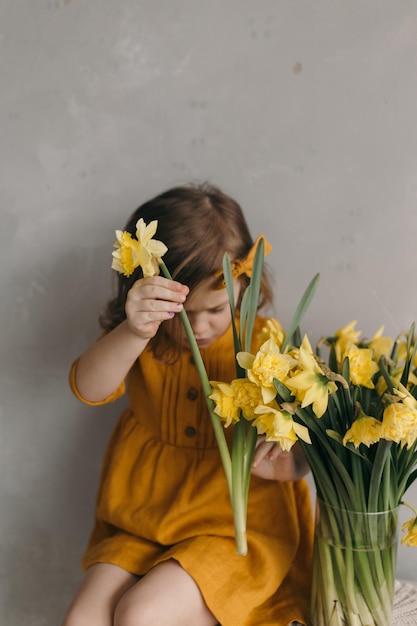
(163, 495)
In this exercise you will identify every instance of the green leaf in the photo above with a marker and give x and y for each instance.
(381, 458)
(296, 341)
(244, 310)
(346, 369)
(349, 447)
(385, 374)
(254, 291)
(332, 359)
(333, 434)
(283, 391)
(228, 279)
(412, 477)
(326, 453)
(300, 310)
(409, 360)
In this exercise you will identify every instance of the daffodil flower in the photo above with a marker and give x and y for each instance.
(380, 345)
(278, 425)
(241, 395)
(247, 396)
(310, 384)
(410, 537)
(272, 330)
(143, 251)
(346, 336)
(365, 429)
(399, 423)
(405, 396)
(362, 366)
(267, 364)
(225, 406)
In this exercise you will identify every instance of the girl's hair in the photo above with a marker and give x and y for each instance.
(198, 224)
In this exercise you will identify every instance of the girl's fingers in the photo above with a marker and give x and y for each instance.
(259, 441)
(261, 451)
(153, 310)
(157, 287)
(157, 295)
(266, 450)
(151, 297)
(276, 452)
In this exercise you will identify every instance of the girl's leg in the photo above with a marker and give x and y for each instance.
(103, 586)
(166, 596)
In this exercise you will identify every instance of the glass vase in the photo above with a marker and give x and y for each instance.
(354, 567)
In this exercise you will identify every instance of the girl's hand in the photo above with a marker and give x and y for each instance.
(151, 301)
(273, 463)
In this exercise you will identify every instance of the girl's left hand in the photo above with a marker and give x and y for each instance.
(273, 463)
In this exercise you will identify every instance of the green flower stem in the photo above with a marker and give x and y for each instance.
(345, 591)
(217, 426)
(238, 486)
(343, 482)
(249, 454)
(358, 481)
(410, 506)
(381, 458)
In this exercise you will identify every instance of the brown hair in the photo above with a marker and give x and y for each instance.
(198, 224)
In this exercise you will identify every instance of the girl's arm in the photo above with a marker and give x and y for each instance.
(273, 463)
(103, 367)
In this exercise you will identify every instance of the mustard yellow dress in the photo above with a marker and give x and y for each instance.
(163, 495)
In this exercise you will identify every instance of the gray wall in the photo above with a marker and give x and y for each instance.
(304, 111)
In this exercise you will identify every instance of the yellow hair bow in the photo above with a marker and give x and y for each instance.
(244, 266)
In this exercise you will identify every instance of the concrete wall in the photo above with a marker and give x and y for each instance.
(304, 111)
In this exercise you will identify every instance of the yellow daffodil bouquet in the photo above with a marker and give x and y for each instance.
(238, 401)
(355, 416)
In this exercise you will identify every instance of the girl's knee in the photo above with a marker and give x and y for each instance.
(77, 617)
(128, 613)
(99, 592)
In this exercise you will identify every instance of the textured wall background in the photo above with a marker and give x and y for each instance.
(304, 111)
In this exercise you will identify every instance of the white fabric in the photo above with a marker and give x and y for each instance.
(405, 605)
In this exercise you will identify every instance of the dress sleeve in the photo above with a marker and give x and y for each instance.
(111, 398)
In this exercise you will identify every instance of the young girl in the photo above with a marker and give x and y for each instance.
(162, 551)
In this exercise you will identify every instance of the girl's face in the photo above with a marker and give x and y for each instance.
(208, 310)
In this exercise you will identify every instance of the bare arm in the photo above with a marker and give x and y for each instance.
(103, 367)
(273, 463)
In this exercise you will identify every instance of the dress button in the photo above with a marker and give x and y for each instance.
(192, 393)
(190, 431)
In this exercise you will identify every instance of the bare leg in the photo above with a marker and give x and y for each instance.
(103, 586)
(166, 596)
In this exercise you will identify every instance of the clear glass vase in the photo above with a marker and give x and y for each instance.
(354, 567)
